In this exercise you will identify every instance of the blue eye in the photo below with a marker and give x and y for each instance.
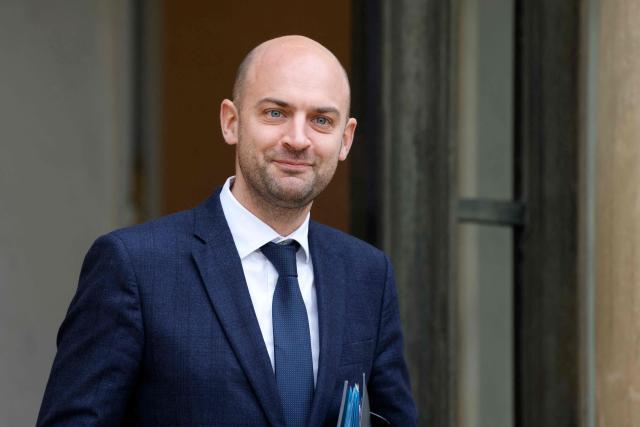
(323, 121)
(275, 114)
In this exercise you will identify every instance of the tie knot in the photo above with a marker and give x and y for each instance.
(283, 257)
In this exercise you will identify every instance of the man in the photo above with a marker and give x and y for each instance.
(240, 311)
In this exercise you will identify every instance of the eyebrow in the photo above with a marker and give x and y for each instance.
(284, 104)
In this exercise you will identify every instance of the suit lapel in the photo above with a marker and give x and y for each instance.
(329, 278)
(219, 264)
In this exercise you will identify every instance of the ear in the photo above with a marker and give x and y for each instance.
(347, 138)
(229, 121)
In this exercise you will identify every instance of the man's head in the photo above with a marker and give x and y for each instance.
(289, 122)
(245, 65)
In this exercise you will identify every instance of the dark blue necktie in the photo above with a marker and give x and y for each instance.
(291, 340)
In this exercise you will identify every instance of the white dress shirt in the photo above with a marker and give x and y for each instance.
(249, 235)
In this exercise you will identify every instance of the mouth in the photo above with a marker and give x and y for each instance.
(292, 165)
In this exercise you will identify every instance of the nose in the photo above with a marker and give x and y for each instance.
(297, 138)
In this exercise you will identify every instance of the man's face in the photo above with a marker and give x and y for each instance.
(292, 128)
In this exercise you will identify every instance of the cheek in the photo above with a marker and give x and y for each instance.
(265, 133)
(329, 150)
(259, 134)
(255, 146)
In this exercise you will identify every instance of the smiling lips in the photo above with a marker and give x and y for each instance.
(292, 164)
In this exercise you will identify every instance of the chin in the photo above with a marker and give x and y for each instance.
(292, 196)
(293, 199)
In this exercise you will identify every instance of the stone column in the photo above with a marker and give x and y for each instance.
(417, 194)
(618, 216)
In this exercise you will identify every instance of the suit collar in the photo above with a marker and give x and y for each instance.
(225, 284)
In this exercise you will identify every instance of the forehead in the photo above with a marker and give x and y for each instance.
(298, 77)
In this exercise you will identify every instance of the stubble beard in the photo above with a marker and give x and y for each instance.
(275, 191)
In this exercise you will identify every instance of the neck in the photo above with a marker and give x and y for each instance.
(283, 220)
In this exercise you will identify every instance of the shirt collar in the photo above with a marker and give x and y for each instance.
(249, 232)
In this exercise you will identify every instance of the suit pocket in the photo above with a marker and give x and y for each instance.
(360, 352)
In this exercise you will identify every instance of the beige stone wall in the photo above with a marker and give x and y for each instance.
(64, 172)
(618, 216)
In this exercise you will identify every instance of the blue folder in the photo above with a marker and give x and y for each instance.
(354, 408)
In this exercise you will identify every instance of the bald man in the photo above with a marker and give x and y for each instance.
(240, 311)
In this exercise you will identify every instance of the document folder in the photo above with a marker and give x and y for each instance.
(354, 408)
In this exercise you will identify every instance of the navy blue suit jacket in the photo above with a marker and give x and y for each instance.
(162, 332)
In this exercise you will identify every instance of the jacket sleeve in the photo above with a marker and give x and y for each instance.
(389, 387)
(100, 343)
